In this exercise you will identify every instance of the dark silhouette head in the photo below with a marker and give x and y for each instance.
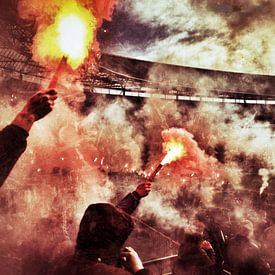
(102, 232)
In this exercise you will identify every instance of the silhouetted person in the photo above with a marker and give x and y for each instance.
(13, 138)
(243, 255)
(195, 257)
(103, 230)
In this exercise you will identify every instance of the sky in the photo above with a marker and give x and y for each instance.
(225, 35)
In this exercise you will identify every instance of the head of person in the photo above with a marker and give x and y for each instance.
(102, 232)
(190, 242)
(246, 228)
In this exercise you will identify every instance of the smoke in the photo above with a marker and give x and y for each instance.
(244, 146)
(71, 157)
(195, 161)
(240, 14)
(120, 149)
(44, 12)
(234, 126)
(224, 35)
(57, 178)
(167, 215)
(47, 17)
(264, 173)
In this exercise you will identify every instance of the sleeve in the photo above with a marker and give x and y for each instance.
(203, 259)
(211, 255)
(13, 142)
(129, 203)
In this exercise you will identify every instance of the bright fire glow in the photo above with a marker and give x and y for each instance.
(70, 35)
(175, 151)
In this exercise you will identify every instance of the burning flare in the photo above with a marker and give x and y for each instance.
(175, 151)
(71, 35)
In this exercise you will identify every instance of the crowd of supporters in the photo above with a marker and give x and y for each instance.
(104, 228)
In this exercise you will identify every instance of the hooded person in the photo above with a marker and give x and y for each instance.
(103, 231)
(195, 257)
(248, 260)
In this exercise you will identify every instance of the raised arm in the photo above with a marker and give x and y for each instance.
(13, 138)
(129, 203)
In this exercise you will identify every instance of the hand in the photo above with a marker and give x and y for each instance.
(131, 259)
(40, 104)
(144, 189)
(206, 245)
(37, 107)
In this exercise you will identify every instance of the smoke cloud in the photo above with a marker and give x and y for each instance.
(71, 157)
(45, 15)
(224, 35)
(64, 169)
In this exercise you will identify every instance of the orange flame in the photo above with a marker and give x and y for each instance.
(175, 151)
(71, 35)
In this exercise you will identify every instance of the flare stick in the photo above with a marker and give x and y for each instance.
(59, 69)
(154, 173)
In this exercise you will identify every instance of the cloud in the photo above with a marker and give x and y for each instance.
(224, 35)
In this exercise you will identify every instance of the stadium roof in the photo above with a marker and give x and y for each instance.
(119, 75)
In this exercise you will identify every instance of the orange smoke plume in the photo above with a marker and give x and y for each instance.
(102, 9)
(184, 154)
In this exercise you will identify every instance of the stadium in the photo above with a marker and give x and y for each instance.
(106, 135)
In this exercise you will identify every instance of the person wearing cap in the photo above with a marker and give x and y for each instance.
(103, 230)
(13, 138)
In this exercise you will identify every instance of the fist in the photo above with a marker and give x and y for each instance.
(144, 189)
(205, 245)
(40, 104)
(131, 259)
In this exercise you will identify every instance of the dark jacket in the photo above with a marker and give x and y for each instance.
(192, 259)
(13, 142)
(103, 231)
(87, 267)
(244, 257)
(129, 203)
